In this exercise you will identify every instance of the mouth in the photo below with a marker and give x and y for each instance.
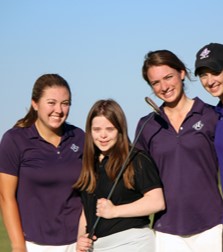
(168, 93)
(103, 142)
(56, 117)
(214, 88)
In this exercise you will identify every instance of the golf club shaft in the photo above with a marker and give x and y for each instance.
(156, 110)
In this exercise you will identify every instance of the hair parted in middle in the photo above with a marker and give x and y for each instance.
(112, 111)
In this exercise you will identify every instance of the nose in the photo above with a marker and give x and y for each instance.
(58, 108)
(164, 85)
(103, 134)
(210, 79)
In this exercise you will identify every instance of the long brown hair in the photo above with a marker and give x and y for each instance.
(111, 110)
(44, 81)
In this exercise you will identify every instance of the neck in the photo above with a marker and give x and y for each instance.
(179, 105)
(177, 114)
(50, 136)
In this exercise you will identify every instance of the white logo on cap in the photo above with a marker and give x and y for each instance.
(205, 53)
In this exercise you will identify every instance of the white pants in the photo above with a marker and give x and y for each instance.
(131, 240)
(207, 241)
(33, 247)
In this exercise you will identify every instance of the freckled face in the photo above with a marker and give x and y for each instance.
(166, 82)
(104, 134)
(52, 108)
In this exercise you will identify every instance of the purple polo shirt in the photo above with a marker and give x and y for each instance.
(49, 207)
(188, 168)
(219, 139)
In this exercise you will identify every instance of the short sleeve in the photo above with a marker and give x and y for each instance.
(9, 155)
(146, 173)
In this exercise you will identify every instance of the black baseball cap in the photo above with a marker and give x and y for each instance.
(210, 56)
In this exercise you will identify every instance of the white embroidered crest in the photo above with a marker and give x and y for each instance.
(74, 147)
(198, 125)
(205, 53)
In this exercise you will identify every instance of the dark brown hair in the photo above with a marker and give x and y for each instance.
(162, 57)
(43, 82)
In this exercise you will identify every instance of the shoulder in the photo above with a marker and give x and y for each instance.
(203, 106)
(75, 135)
(141, 156)
(73, 130)
(15, 133)
(204, 109)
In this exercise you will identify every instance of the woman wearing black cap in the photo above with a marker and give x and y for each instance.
(209, 68)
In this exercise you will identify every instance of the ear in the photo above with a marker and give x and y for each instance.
(182, 75)
(34, 105)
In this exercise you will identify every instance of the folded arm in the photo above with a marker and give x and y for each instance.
(151, 202)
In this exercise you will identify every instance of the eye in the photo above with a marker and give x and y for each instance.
(202, 75)
(51, 102)
(168, 77)
(110, 129)
(154, 83)
(66, 103)
(95, 129)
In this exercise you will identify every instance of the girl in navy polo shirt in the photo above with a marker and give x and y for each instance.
(40, 159)
(124, 223)
(181, 141)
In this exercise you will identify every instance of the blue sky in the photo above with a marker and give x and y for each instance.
(98, 46)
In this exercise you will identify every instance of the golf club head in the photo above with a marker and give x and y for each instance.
(153, 105)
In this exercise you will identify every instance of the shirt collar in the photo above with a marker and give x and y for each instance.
(196, 108)
(219, 108)
(68, 131)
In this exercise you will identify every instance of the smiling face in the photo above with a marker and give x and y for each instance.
(52, 108)
(166, 82)
(212, 82)
(104, 134)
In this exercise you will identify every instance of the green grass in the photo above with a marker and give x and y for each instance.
(4, 241)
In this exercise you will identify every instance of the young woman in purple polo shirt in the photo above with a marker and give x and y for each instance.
(209, 68)
(40, 159)
(181, 141)
(124, 223)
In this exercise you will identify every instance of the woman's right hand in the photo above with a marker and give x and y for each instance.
(84, 243)
(19, 249)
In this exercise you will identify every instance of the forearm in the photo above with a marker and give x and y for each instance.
(150, 203)
(83, 242)
(82, 225)
(142, 207)
(11, 219)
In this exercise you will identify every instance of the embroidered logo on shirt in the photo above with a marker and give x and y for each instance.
(74, 147)
(205, 54)
(198, 125)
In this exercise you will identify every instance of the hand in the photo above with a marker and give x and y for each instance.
(105, 209)
(84, 243)
(19, 249)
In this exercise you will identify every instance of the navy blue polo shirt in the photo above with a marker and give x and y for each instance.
(49, 207)
(188, 168)
(219, 139)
